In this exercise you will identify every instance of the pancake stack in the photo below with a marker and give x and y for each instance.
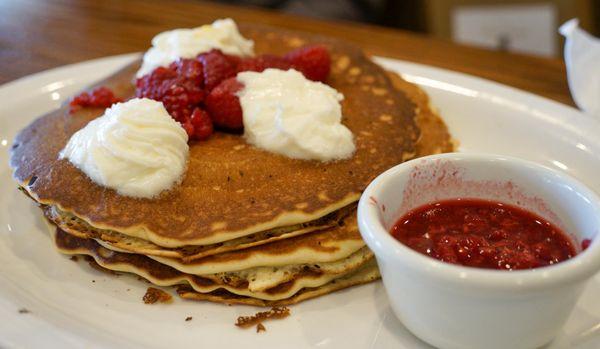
(244, 226)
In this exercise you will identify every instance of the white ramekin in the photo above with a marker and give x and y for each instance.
(451, 306)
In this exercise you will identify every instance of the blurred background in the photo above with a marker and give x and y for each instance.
(522, 26)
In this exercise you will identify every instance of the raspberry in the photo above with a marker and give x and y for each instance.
(188, 127)
(260, 63)
(224, 106)
(189, 86)
(202, 124)
(217, 67)
(313, 61)
(101, 97)
(191, 69)
(178, 87)
(234, 60)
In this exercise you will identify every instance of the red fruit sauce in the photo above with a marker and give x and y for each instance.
(483, 234)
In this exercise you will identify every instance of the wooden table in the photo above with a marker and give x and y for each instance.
(37, 35)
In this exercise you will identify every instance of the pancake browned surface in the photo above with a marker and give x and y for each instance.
(322, 246)
(314, 275)
(364, 275)
(231, 189)
(75, 226)
(245, 226)
(434, 137)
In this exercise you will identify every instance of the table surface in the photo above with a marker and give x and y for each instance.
(37, 35)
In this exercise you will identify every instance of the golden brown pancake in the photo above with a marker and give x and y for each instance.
(323, 246)
(245, 226)
(303, 276)
(434, 137)
(367, 273)
(78, 227)
(231, 189)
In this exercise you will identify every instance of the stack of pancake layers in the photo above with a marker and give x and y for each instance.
(244, 226)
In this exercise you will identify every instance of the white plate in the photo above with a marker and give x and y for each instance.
(72, 305)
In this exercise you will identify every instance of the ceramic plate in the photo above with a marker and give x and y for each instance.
(47, 300)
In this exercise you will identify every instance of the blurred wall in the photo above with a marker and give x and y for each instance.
(526, 26)
(512, 25)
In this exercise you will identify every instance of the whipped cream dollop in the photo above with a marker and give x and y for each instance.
(135, 148)
(287, 114)
(169, 46)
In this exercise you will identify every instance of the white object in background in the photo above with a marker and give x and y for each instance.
(453, 306)
(582, 57)
(518, 28)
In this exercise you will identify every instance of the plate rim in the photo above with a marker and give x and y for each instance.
(411, 70)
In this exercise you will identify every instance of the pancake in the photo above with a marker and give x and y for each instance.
(114, 240)
(230, 189)
(263, 277)
(363, 275)
(285, 284)
(245, 226)
(434, 137)
(318, 247)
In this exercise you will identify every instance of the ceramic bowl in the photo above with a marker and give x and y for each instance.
(452, 306)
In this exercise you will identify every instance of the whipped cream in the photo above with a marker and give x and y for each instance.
(135, 148)
(287, 114)
(169, 46)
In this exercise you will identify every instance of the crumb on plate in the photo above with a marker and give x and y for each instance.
(260, 327)
(258, 318)
(154, 295)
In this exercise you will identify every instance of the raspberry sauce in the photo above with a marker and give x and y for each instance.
(483, 234)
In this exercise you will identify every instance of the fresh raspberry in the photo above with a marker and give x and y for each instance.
(217, 67)
(224, 106)
(101, 97)
(188, 127)
(191, 69)
(260, 63)
(179, 87)
(202, 124)
(313, 61)
(234, 60)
